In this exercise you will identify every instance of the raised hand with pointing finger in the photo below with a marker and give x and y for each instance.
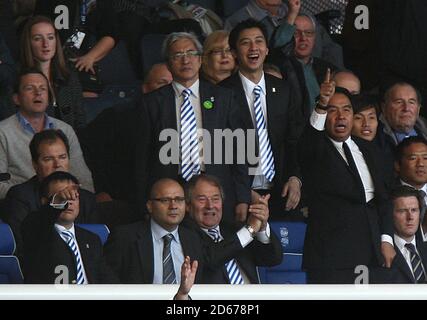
(327, 90)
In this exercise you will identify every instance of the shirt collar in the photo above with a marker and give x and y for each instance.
(159, 232)
(26, 125)
(178, 88)
(400, 243)
(216, 228)
(338, 144)
(249, 86)
(424, 187)
(59, 228)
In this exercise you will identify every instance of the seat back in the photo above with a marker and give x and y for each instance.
(101, 230)
(7, 240)
(291, 235)
(151, 47)
(10, 270)
(229, 7)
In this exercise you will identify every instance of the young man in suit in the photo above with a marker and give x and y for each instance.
(205, 196)
(277, 172)
(49, 153)
(349, 217)
(200, 108)
(56, 250)
(409, 265)
(138, 252)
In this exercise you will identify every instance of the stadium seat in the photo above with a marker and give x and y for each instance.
(208, 4)
(10, 270)
(151, 47)
(101, 230)
(291, 235)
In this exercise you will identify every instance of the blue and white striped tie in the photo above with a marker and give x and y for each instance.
(233, 271)
(267, 159)
(69, 239)
(190, 162)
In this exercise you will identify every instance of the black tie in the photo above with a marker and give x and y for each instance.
(352, 164)
(417, 266)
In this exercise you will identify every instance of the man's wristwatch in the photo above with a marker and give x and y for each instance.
(321, 106)
(250, 229)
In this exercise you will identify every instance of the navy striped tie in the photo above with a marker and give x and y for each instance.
(168, 269)
(267, 159)
(233, 271)
(190, 162)
(69, 239)
(417, 267)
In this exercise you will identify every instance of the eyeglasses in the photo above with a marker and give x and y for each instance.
(168, 201)
(305, 33)
(219, 52)
(190, 54)
(213, 199)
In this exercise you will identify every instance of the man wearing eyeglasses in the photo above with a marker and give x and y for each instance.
(280, 118)
(152, 251)
(188, 106)
(205, 198)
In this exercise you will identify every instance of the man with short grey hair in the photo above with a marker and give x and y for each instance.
(188, 105)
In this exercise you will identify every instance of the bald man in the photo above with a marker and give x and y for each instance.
(347, 80)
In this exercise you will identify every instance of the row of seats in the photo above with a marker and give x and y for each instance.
(291, 235)
(10, 268)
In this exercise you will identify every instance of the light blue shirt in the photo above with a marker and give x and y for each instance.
(177, 253)
(26, 125)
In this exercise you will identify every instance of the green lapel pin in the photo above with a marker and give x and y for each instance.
(208, 104)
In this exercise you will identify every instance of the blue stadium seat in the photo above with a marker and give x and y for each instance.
(101, 230)
(291, 235)
(10, 270)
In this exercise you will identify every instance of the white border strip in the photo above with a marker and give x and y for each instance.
(215, 292)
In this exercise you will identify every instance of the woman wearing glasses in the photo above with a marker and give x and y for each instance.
(217, 61)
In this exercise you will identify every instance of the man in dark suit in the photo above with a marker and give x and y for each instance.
(248, 41)
(409, 265)
(193, 104)
(55, 249)
(204, 204)
(349, 217)
(136, 252)
(49, 152)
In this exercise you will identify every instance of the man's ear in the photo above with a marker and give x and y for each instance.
(149, 205)
(44, 200)
(397, 167)
(15, 99)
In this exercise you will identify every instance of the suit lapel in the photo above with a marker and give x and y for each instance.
(402, 265)
(208, 115)
(145, 250)
(167, 103)
(241, 96)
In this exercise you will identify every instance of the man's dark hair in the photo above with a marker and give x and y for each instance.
(345, 92)
(246, 24)
(364, 101)
(24, 73)
(212, 180)
(53, 177)
(405, 192)
(49, 136)
(405, 143)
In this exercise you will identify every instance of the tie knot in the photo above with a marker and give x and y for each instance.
(257, 90)
(67, 234)
(410, 247)
(214, 234)
(168, 238)
(186, 93)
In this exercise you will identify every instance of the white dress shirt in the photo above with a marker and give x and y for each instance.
(259, 182)
(59, 229)
(400, 243)
(195, 102)
(177, 253)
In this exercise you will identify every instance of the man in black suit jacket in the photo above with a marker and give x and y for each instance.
(407, 207)
(204, 204)
(49, 152)
(160, 124)
(349, 217)
(248, 41)
(135, 251)
(46, 251)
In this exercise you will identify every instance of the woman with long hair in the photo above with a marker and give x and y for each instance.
(41, 49)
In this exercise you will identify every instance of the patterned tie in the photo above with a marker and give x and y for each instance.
(189, 145)
(168, 269)
(267, 159)
(69, 239)
(417, 267)
(231, 266)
